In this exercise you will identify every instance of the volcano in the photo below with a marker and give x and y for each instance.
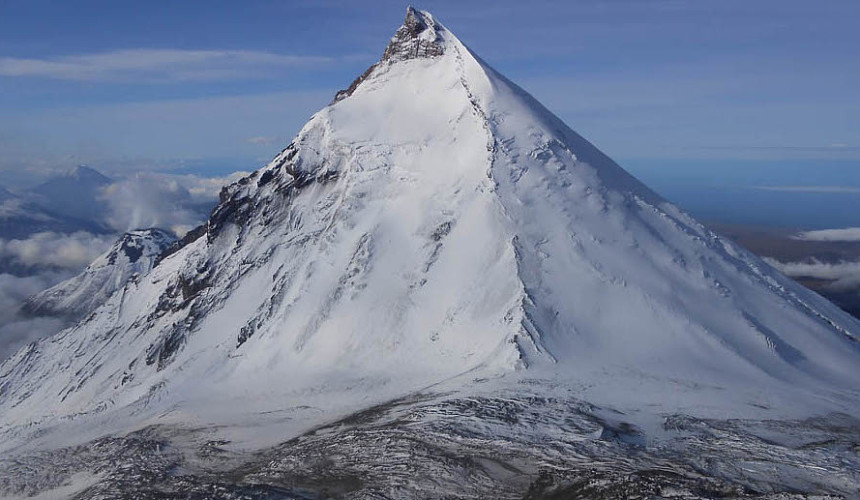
(435, 250)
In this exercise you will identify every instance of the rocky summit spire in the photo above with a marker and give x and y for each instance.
(419, 37)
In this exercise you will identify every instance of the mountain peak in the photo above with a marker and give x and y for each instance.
(418, 37)
(437, 230)
(83, 172)
(133, 243)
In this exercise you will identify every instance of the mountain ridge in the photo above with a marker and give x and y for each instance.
(132, 255)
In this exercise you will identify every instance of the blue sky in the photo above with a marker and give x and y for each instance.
(701, 91)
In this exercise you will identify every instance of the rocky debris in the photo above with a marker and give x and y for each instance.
(477, 447)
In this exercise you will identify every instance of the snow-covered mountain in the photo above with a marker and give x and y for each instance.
(133, 255)
(63, 204)
(435, 234)
(76, 193)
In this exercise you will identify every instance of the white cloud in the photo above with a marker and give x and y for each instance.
(156, 65)
(207, 188)
(812, 189)
(844, 275)
(17, 331)
(843, 234)
(263, 140)
(176, 202)
(54, 250)
(152, 199)
(14, 289)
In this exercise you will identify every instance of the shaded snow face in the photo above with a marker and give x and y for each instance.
(436, 225)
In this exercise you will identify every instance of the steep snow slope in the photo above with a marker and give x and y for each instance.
(436, 226)
(134, 254)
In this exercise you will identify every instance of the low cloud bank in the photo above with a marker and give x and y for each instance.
(844, 234)
(46, 259)
(16, 330)
(844, 276)
(50, 250)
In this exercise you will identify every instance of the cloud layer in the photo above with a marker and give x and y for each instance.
(844, 275)
(844, 234)
(145, 199)
(812, 189)
(156, 65)
(17, 331)
(174, 202)
(71, 252)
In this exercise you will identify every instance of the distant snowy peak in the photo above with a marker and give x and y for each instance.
(83, 173)
(76, 193)
(135, 253)
(80, 177)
